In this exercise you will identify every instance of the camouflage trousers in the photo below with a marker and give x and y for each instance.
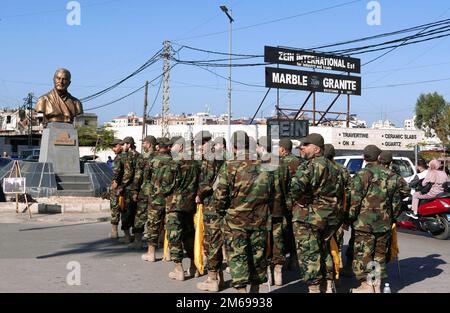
(277, 239)
(247, 256)
(115, 210)
(370, 254)
(213, 241)
(128, 215)
(313, 251)
(180, 233)
(350, 247)
(141, 213)
(289, 238)
(155, 223)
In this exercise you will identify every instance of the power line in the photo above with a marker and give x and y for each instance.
(410, 83)
(274, 21)
(156, 97)
(127, 95)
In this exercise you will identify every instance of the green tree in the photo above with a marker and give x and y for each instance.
(443, 128)
(430, 111)
(101, 138)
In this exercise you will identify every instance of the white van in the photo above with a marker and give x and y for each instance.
(356, 162)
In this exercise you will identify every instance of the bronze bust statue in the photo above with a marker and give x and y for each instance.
(59, 105)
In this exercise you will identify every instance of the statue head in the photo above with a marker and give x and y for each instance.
(61, 80)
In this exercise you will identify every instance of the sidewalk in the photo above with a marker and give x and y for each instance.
(58, 210)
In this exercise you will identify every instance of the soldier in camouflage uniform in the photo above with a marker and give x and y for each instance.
(317, 189)
(140, 191)
(371, 211)
(281, 178)
(117, 171)
(129, 156)
(293, 163)
(213, 238)
(160, 174)
(181, 209)
(344, 204)
(243, 192)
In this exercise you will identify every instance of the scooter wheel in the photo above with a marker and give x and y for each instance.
(446, 232)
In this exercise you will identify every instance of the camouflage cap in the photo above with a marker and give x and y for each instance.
(328, 151)
(203, 136)
(286, 143)
(240, 139)
(315, 139)
(371, 153)
(385, 157)
(177, 139)
(150, 139)
(128, 140)
(117, 141)
(164, 142)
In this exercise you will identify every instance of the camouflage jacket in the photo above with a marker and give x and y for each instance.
(293, 163)
(317, 188)
(344, 203)
(403, 190)
(139, 185)
(244, 192)
(185, 191)
(129, 165)
(281, 179)
(117, 169)
(373, 190)
(161, 173)
(208, 173)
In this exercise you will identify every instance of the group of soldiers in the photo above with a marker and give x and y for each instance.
(261, 208)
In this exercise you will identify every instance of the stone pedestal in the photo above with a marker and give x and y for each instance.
(59, 146)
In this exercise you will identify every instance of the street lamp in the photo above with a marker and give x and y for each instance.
(225, 10)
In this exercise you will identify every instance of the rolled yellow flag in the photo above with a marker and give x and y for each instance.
(166, 256)
(336, 256)
(394, 243)
(198, 240)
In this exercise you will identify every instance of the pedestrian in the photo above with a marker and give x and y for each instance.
(213, 238)
(140, 190)
(115, 191)
(317, 189)
(373, 189)
(109, 162)
(245, 222)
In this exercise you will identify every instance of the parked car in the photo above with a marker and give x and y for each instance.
(32, 158)
(356, 162)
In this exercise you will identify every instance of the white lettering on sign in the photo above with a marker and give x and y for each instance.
(286, 56)
(291, 79)
(342, 84)
(320, 62)
(355, 135)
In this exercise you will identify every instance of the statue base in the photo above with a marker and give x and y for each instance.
(59, 146)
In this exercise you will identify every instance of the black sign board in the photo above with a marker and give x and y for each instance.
(312, 81)
(315, 60)
(291, 129)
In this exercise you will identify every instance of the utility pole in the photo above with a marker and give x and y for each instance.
(144, 117)
(29, 107)
(166, 89)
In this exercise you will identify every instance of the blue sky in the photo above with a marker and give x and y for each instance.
(116, 37)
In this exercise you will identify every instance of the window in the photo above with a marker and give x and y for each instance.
(340, 161)
(403, 168)
(354, 165)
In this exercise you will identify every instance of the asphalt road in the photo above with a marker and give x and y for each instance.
(34, 258)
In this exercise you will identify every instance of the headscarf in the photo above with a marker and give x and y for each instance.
(434, 175)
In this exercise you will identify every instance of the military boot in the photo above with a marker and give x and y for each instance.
(314, 288)
(327, 286)
(114, 232)
(178, 272)
(126, 238)
(254, 288)
(221, 279)
(364, 288)
(210, 284)
(150, 255)
(137, 243)
(278, 275)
